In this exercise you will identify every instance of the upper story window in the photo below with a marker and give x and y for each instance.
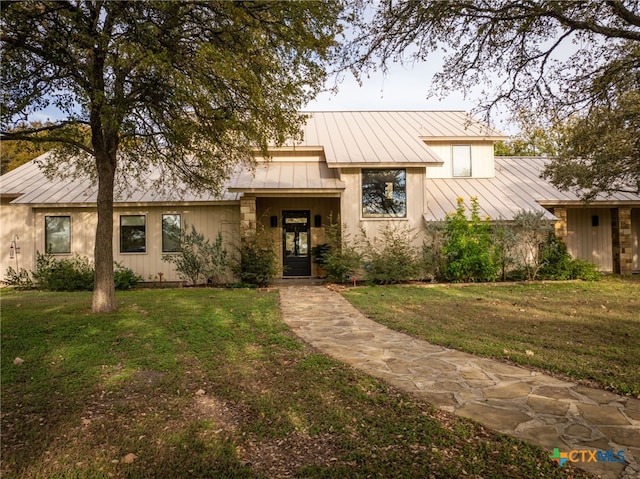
(384, 193)
(461, 160)
(57, 234)
(171, 233)
(133, 234)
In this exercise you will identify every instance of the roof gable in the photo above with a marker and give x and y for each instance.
(389, 138)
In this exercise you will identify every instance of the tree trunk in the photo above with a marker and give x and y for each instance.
(104, 293)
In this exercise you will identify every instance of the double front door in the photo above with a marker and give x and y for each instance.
(296, 243)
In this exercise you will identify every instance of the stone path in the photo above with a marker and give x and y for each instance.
(526, 404)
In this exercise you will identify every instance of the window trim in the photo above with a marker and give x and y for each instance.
(453, 158)
(46, 235)
(120, 234)
(162, 246)
(384, 217)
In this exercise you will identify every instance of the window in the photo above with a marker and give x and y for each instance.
(461, 160)
(57, 234)
(384, 193)
(133, 234)
(171, 233)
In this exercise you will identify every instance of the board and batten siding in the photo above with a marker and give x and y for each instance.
(351, 205)
(482, 160)
(16, 221)
(635, 238)
(208, 220)
(588, 242)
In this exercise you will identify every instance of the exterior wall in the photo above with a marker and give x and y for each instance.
(635, 238)
(622, 240)
(28, 223)
(591, 243)
(208, 220)
(482, 160)
(351, 205)
(16, 221)
(274, 206)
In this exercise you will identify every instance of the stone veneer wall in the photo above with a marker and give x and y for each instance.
(248, 217)
(622, 240)
(561, 224)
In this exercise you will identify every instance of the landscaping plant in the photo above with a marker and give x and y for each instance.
(199, 260)
(391, 257)
(468, 246)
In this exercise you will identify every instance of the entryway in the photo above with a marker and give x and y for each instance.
(296, 248)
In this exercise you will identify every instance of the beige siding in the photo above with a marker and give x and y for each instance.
(351, 205)
(16, 220)
(274, 206)
(482, 162)
(635, 237)
(592, 243)
(208, 220)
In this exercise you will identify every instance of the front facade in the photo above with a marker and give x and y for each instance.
(369, 169)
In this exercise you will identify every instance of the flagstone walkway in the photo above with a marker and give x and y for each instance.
(526, 404)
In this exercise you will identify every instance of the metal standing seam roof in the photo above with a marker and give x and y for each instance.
(30, 185)
(516, 186)
(287, 175)
(352, 138)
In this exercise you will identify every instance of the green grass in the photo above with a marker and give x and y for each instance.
(211, 383)
(586, 331)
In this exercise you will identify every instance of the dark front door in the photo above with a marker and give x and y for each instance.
(296, 252)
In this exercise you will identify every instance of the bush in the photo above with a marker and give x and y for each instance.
(125, 278)
(199, 261)
(258, 258)
(468, 249)
(432, 260)
(344, 260)
(557, 263)
(391, 259)
(532, 228)
(73, 274)
(20, 279)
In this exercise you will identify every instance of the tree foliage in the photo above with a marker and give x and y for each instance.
(188, 88)
(559, 60)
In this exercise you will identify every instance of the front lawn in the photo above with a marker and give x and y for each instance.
(211, 383)
(589, 331)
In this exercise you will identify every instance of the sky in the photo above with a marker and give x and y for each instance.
(402, 87)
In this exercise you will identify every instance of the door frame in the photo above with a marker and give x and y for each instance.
(304, 265)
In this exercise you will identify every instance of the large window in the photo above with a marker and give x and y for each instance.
(133, 234)
(57, 234)
(461, 160)
(384, 193)
(170, 233)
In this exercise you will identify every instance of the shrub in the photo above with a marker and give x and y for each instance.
(20, 279)
(505, 244)
(344, 260)
(532, 228)
(199, 261)
(72, 274)
(557, 263)
(432, 260)
(468, 249)
(258, 257)
(391, 258)
(125, 278)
